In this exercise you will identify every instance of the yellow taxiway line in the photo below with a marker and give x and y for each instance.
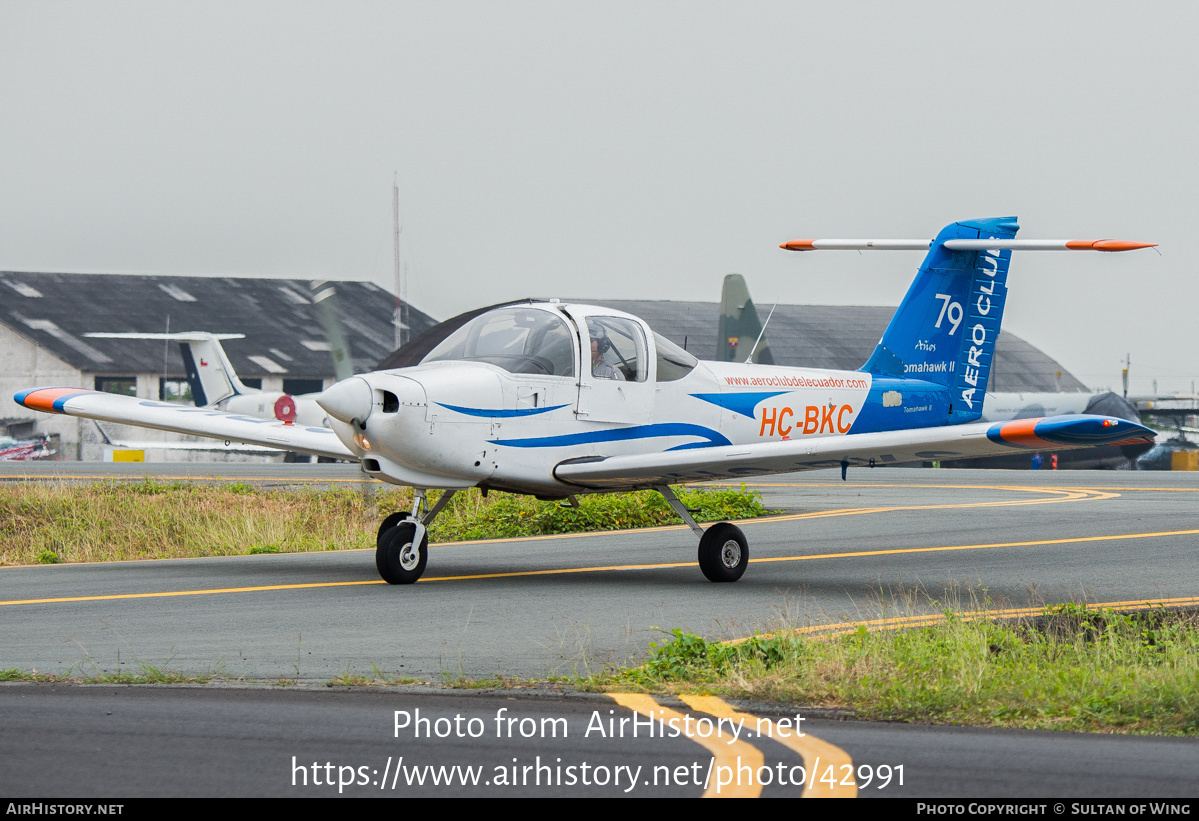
(1070, 495)
(1057, 496)
(820, 758)
(600, 569)
(927, 619)
(736, 767)
(725, 756)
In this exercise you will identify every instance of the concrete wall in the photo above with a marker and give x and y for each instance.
(24, 365)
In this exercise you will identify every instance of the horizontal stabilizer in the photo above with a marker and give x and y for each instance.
(185, 336)
(966, 245)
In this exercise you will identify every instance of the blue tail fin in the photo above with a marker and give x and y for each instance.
(945, 329)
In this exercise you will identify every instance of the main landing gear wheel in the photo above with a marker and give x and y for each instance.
(400, 561)
(723, 553)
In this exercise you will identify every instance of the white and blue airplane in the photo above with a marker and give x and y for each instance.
(555, 400)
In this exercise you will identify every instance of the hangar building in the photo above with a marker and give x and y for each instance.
(841, 337)
(44, 319)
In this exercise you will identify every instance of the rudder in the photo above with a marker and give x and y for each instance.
(209, 372)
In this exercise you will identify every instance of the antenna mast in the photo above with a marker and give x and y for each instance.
(761, 333)
(399, 277)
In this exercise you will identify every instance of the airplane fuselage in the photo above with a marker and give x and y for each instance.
(454, 424)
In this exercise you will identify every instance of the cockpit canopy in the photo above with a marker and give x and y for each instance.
(517, 339)
(527, 339)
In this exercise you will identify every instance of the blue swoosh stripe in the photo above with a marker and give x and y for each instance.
(742, 403)
(503, 414)
(621, 434)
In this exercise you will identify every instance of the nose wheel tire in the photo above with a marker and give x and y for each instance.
(400, 561)
(723, 553)
(390, 522)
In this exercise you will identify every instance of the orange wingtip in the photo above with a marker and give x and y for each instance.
(1107, 245)
(799, 245)
(43, 399)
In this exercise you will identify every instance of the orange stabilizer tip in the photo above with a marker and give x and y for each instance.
(1107, 245)
(1122, 245)
(799, 245)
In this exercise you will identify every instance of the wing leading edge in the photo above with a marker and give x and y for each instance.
(888, 447)
(232, 427)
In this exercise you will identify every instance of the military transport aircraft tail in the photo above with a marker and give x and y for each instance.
(740, 326)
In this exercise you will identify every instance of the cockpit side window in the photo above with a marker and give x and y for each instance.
(617, 349)
(519, 340)
(673, 362)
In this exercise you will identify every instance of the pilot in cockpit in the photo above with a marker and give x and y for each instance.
(600, 345)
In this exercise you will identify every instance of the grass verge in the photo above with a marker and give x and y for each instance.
(145, 675)
(111, 521)
(1071, 668)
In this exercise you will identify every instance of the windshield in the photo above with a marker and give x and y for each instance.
(673, 362)
(519, 340)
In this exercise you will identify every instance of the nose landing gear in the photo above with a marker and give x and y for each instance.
(402, 546)
(399, 556)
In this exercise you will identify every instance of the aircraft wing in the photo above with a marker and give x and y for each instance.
(920, 444)
(231, 427)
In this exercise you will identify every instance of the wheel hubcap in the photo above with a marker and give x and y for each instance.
(730, 554)
(409, 557)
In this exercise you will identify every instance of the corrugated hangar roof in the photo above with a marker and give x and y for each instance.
(283, 331)
(837, 336)
(282, 328)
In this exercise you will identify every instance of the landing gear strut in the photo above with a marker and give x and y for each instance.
(402, 546)
(723, 550)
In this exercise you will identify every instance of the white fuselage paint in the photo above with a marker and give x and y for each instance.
(426, 439)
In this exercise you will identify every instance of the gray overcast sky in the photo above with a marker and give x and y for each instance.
(618, 150)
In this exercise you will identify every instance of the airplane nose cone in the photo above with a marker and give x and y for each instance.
(348, 400)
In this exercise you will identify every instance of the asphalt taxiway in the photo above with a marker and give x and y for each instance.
(887, 542)
(121, 742)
